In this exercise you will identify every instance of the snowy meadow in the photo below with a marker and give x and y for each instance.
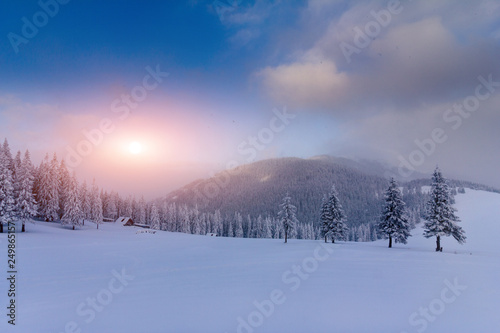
(117, 279)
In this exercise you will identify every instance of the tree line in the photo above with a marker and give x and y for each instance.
(440, 217)
(50, 193)
(46, 191)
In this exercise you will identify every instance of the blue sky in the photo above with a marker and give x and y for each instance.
(230, 63)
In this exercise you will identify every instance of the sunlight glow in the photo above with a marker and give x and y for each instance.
(135, 148)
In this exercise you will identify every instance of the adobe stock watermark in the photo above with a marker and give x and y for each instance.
(31, 27)
(421, 319)
(248, 149)
(292, 278)
(453, 116)
(372, 29)
(122, 107)
(88, 310)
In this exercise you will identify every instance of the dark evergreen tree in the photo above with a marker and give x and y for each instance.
(287, 216)
(326, 218)
(394, 222)
(338, 227)
(440, 217)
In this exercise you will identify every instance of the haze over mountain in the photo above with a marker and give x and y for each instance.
(258, 188)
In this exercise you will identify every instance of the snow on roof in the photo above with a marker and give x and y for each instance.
(123, 219)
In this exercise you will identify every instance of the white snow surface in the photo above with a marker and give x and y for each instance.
(190, 283)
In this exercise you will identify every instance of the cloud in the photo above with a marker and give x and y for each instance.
(320, 5)
(27, 125)
(20, 115)
(239, 14)
(41, 127)
(246, 20)
(413, 63)
(398, 87)
(305, 83)
(244, 36)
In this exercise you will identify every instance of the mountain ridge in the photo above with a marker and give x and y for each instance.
(257, 189)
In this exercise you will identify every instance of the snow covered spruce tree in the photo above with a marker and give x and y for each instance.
(325, 218)
(95, 205)
(393, 222)
(155, 218)
(7, 202)
(16, 177)
(48, 189)
(141, 216)
(238, 222)
(25, 201)
(440, 216)
(85, 202)
(64, 183)
(9, 161)
(230, 231)
(129, 209)
(287, 216)
(338, 228)
(333, 218)
(73, 214)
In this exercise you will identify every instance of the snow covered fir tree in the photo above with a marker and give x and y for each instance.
(73, 215)
(325, 218)
(393, 221)
(26, 206)
(95, 205)
(440, 216)
(287, 216)
(333, 219)
(7, 200)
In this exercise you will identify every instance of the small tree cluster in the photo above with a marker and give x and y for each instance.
(47, 191)
(17, 200)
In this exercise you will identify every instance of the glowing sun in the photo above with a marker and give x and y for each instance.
(135, 148)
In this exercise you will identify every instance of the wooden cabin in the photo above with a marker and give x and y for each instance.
(125, 221)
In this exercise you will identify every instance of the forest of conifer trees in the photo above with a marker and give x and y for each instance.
(48, 192)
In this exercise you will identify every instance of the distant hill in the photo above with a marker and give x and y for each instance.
(371, 167)
(258, 188)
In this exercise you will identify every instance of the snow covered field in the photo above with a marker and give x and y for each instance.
(115, 280)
